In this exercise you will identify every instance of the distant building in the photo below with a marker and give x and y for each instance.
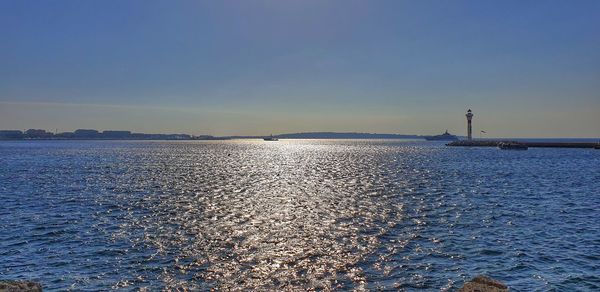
(11, 134)
(89, 134)
(85, 133)
(116, 134)
(65, 135)
(38, 134)
(179, 137)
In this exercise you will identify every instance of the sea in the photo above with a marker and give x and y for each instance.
(295, 215)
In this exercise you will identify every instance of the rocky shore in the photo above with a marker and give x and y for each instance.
(19, 286)
(483, 284)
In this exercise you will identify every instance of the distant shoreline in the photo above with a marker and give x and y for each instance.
(84, 134)
(90, 134)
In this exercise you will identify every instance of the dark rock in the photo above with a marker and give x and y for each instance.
(19, 286)
(483, 284)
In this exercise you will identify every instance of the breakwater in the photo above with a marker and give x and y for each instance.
(494, 143)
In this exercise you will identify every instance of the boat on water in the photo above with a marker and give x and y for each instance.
(270, 138)
(443, 137)
(512, 146)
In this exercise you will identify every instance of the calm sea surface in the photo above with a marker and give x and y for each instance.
(297, 214)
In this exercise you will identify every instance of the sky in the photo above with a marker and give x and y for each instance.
(249, 67)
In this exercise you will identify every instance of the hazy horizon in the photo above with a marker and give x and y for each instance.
(526, 69)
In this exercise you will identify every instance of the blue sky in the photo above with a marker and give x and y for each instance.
(526, 68)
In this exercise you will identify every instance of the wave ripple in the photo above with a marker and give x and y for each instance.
(296, 215)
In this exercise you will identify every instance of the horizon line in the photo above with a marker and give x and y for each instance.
(251, 136)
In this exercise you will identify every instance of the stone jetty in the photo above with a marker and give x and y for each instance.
(483, 284)
(19, 286)
(494, 143)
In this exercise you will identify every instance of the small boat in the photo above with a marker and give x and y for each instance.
(270, 138)
(443, 137)
(512, 146)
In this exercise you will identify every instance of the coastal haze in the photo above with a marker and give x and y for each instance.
(528, 69)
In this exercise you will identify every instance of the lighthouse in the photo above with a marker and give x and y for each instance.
(469, 116)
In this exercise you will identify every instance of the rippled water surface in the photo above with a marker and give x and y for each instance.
(297, 214)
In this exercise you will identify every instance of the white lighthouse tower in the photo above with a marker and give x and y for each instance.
(469, 129)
